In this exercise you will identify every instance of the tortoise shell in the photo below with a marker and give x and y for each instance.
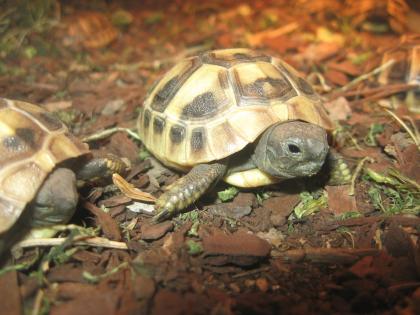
(211, 106)
(90, 29)
(32, 142)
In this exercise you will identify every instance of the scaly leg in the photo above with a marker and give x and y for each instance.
(100, 167)
(188, 189)
(339, 171)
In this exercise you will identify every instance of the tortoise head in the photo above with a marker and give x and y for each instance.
(291, 149)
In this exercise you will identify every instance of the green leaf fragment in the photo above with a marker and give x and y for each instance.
(154, 18)
(393, 193)
(309, 204)
(189, 216)
(122, 18)
(193, 232)
(143, 154)
(228, 194)
(349, 215)
(361, 58)
(95, 279)
(194, 248)
(374, 130)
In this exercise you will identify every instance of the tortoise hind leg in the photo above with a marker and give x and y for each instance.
(188, 189)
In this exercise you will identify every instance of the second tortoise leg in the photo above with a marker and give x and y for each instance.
(57, 198)
(188, 189)
(101, 167)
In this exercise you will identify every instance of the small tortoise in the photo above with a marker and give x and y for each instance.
(89, 29)
(37, 159)
(236, 115)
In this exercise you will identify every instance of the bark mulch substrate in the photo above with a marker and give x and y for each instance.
(295, 248)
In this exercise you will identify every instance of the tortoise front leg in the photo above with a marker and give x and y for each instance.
(101, 167)
(338, 170)
(188, 189)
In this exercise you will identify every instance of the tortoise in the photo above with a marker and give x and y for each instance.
(89, 29)
(404, 70)
(237, 115)
(38, 162)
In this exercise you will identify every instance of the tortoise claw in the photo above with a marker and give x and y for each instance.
(186, 190)
(162, 216)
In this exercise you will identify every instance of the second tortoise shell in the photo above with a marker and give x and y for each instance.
(32, 143)
(211, 106)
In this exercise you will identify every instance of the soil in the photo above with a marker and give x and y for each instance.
(354, 253)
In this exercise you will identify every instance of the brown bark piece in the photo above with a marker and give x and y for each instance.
(336, 77)
(108, 224)
(339, 201)
(155, 231)
(9, 291)
(95, 303)
(280, 208)
(239, 243)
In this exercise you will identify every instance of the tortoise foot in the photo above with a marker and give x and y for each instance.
(187, 190)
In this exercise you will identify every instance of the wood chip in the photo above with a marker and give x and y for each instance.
(108, 225)
(130, 191)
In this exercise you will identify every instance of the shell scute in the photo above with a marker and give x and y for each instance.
(202, 96)
(19, 136)
(261, 82)
(166, 88)
(230, 57)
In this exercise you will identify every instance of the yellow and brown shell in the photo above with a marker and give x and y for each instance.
(90, 29)
(32, 143)
(211, 106)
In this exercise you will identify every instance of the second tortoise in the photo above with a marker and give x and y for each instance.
(40, 162)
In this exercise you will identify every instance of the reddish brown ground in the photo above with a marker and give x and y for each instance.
(257, 261)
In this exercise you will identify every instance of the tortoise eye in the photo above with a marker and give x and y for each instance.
(293, 148)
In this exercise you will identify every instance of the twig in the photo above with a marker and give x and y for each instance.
(357, 172)
(107, 132)
(389, 89)
(251, 272)
(96, 278)
(404, 125)
(256, 39)
(91, 241)
(413, 124)
(367, 75)
(404, 286)
(383, 94)
(320, 77)
(156, 64)
(328, 255)
(38, 302)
